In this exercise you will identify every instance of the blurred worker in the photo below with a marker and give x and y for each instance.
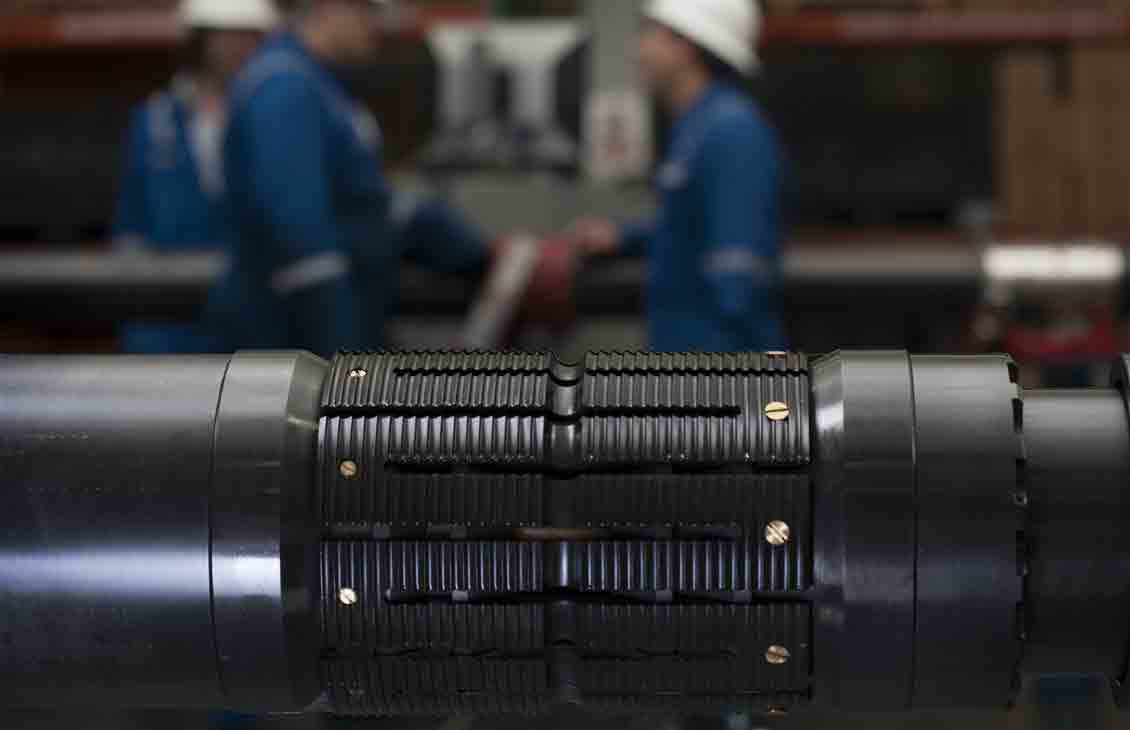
(172, 195)
(319, 238)
(714, 247)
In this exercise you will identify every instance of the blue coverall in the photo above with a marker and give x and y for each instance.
(166, 206)
(316, 249)
(714, 249)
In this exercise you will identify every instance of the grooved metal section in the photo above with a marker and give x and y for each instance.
(743, 563)
(709, 703)
(627, 631)
(746, 501)
(441, 381)
(414, 596)
(744, 436)
(499, 441)
(695, 656)
(746, 363)
(436, 686)
(702, 392)
(436, 442)
(382, 494)
(507, 532)
(720, 570)
(458, 571)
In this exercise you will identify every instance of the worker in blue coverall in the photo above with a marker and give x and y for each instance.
(318, 238)
(172, 197)
(714, 248)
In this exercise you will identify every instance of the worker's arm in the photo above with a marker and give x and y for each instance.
(741, 172)
(132, 222)
(311, 270)
(603, 237)
(433, 234)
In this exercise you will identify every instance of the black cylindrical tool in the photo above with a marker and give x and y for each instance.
(426, 533)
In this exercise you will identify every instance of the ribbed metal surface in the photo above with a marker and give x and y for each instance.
(687, 651)
(436, 685)
(513, 531)
(750, 363)
(374, 624)
(744, 500)
(435, 380)
(463, 391)
(435, 441)
(498, 441)
(721, 570)
(690, 630)
(408, 500)
(653, 675)
(439, 568)
(496, 362)
(702, 441)
(702, 392)
(726, 422)
(708, 703)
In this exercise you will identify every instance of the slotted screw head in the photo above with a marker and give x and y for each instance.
(777, 411)
(778, 655)
(347, 596)
(349, 469)
(778, 533)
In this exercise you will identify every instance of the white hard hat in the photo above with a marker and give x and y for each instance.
(229, 14)
(729, 29)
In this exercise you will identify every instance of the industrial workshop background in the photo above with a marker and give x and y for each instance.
(917, 134)
(958, 180)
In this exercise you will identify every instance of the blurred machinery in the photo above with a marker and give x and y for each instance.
(1062, 308)
(485, 102)
(935, 297)
(501, 94)
(910, 145)
(445, 533)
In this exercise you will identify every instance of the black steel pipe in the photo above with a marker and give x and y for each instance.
(105, 288)
(157, 530)
(446, 533)
(88, 288)
(1075, 479)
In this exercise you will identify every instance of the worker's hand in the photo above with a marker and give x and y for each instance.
(595, 237)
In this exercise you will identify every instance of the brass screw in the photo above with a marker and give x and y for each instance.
(777, 411)
(778, 655)
(778, 533)
(358, 373)
(349, 469)
(347, 596)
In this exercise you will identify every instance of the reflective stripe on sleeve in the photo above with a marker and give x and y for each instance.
(309, 272)
(735, 261)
